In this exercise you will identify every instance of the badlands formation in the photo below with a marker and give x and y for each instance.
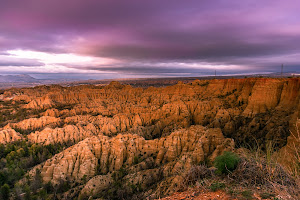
(147, 138)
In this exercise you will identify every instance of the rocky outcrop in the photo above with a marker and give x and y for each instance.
(52, 112)
(43, 102)
(290, 94)
(108, 125)
(36, 123)
(265, 96)
(69, 134)
(97, 184)
(176, 155)
(110, 154)
(9, 135)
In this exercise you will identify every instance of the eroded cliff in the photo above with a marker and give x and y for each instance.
(153, 133)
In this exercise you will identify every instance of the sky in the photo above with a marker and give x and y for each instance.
(148, 38)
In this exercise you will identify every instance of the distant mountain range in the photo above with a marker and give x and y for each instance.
(22, 78)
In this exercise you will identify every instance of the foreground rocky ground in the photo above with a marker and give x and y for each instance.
(121, 142)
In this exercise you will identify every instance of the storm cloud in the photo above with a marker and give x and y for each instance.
(156, 37)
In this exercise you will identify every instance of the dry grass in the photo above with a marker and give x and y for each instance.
(261, 168)
(295, 146)
(195, 174)
(295, 168)
(251, 173)
(256, 173)
(291, 166)
(256, 169)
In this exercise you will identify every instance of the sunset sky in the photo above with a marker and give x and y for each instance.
(148, 38)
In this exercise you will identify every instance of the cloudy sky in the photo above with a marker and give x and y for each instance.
(148, 38)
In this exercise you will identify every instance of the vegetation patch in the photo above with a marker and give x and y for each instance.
(217, 186)
(227, 162)
(247, 194)
(121, 189)
(12, 111)
(19, 157)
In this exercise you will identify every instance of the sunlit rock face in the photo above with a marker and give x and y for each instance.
(9, 135)
(36, 123)
(107, 154)
(69, 133)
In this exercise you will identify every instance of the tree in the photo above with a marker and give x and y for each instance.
(5, 191)
(37, 181)
(3, 178)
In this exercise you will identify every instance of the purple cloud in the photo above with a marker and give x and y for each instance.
(256, 35)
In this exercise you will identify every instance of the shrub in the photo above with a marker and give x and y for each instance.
(216, 186)
(62, 186)
(247, 194)
(5, 191)
(266, 195)
(226, 162)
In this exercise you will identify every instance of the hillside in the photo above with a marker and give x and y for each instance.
(118, 141)
(17, 79)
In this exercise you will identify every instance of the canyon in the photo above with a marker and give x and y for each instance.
(152, 134)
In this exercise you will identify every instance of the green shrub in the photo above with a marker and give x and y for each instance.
(5, 191)
(226, 162)
(216, 186)
(266, 195)
(247, 194)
